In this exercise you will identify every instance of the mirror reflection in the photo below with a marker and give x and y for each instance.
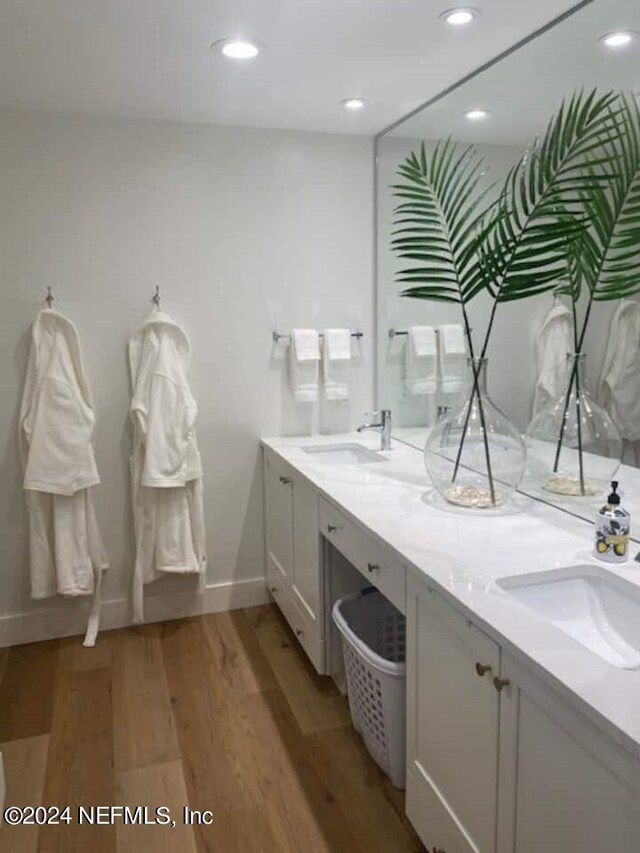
(509, 272)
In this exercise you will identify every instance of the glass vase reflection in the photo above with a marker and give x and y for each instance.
(574, 448)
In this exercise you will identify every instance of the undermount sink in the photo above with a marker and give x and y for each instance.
(344, 454)
(598, 609)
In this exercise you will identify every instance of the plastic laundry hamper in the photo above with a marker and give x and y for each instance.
(374, 647)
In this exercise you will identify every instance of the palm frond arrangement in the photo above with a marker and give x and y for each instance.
(605, 259)
(568, 210)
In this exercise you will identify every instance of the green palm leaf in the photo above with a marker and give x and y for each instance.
(608, 254)
(437, 223)
(540, 214)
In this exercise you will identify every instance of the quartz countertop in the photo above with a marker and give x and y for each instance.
(462, 553)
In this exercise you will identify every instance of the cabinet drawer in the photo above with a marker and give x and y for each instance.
(379, 566)
(305, 630)
(432, 820)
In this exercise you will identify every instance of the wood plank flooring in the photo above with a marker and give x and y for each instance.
(221, 712)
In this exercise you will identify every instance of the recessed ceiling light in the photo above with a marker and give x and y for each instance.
(459, 16)
(618, 39)
(354, 104)
(477, 115)
(238, 49)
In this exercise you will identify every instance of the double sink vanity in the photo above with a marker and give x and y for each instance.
(523, 653)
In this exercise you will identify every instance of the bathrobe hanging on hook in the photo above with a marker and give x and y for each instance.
(57, 425)
(166, 470)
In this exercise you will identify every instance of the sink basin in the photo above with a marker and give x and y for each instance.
(595, 607)
(344, 454)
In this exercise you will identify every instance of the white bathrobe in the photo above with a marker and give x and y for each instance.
(57, 425)
(166, 470)
(554, 342)
(619, 388)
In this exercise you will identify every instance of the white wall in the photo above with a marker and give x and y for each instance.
(241, 228)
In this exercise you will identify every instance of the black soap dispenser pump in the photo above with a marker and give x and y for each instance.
(613, 525)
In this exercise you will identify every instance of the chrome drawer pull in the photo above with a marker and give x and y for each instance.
(372, 567)
(331, 528)
(299, 632)
(286, 481)
(482, 669)
(499, 683)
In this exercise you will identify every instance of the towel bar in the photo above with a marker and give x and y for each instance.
(277, 337)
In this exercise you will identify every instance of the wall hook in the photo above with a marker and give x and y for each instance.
(49, 298)
(156, 297)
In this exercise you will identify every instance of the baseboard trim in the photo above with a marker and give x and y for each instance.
(65, 618)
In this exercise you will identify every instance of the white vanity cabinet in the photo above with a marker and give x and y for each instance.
(497, 761)
(564, 786)
(453, 718)
(294, 573)
(377, 565)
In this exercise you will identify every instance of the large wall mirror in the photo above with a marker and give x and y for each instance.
(503, 112)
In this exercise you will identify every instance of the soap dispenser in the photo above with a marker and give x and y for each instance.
(613, 524)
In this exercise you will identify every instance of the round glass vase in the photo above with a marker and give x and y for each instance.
(573, 447)
(474, 455)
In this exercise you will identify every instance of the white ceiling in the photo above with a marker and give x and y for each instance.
(524, 90)
(151, 58)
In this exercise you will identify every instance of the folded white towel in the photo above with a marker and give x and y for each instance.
(421, 360)
(304, 356)
(453, 358)
(336, 363)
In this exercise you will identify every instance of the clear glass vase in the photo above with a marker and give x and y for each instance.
(474, 455)
(574, 448)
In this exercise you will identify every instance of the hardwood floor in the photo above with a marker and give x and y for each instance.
(220, 712)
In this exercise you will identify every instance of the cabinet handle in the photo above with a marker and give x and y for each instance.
(372, 567)
(286, 481)
(299, 632)
(482, 669)
(273, 590)
(439, 850)
(499, 683)
(331, 528)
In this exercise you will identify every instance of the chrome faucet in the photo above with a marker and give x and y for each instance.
(383, 424)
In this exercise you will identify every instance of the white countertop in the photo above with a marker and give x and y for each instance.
(462, 553)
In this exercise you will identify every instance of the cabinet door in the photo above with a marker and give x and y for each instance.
(452, 726)
(564, 787)
(279, 522)
(305, 578)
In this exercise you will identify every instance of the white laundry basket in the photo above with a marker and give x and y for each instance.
(374, 647)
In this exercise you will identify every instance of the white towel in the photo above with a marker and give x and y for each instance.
(304, 356)
(336, 363)
(421, 360)
(453, 358)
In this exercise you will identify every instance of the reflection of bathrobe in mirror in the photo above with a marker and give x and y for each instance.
(57, 425)
(166, 470)
(554, 341)
(619, 388)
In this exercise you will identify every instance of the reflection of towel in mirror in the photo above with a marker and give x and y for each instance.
(553, 342)
(420, 360)
(304, 357)
(453, 358)
(336, 363)
(619, 387)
